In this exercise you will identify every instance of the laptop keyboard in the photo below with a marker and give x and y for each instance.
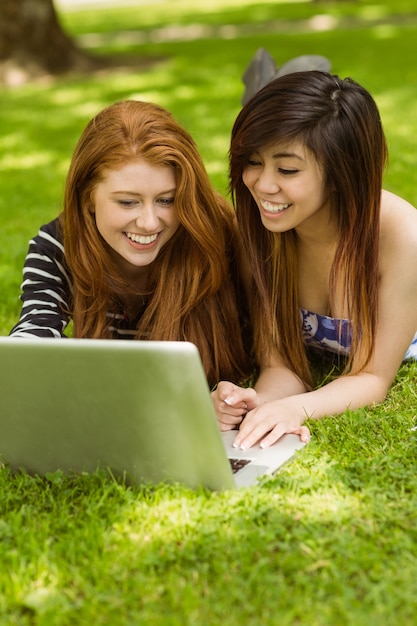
(238, 464)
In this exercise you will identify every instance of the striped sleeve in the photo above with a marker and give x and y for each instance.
(46, 287)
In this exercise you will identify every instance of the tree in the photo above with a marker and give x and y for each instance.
(33, 43)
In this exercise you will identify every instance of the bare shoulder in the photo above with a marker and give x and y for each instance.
(398, 222)
(396, 207)
(398, 229)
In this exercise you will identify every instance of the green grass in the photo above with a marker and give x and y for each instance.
(331, 540)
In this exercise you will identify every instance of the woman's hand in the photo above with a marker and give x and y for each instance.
(232, 403)
(267, 423)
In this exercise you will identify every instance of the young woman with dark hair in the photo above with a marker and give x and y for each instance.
(331, 257)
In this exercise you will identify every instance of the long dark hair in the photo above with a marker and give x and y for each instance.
(338, 121)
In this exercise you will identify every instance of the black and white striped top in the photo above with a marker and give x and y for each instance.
(47, 288)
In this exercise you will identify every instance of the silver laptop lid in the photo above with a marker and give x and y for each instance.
(141, 408)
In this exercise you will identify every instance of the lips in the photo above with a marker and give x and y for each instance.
(273, 207)
(142, 239)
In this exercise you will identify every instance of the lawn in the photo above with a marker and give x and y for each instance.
(332, 539)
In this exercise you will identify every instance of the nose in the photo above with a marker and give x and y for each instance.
(147, 218)
(267, 181)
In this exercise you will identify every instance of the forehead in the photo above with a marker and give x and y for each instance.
(286, 149)
(139, 171)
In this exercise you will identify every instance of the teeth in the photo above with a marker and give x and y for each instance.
(143, 239)
(273, 208)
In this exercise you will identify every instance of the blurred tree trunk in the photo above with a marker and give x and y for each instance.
(32, 42)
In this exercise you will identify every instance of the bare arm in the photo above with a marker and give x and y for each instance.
(397, 324)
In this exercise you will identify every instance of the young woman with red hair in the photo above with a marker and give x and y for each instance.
(144, 248)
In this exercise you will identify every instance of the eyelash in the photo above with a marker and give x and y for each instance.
(287, 172)
(167, 201)
(281, 170)
(127, 204)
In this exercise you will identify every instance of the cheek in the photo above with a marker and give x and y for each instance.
(247, 179)
(174, 218)
(105, 221)
(174, 224)
(98, 224)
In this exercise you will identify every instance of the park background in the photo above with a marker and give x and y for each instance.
(331, 540)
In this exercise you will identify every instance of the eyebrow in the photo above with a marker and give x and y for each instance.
(280, 155)
(284, 154)
(135, 193)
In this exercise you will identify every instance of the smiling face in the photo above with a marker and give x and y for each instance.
(287, 185)
(135, 214)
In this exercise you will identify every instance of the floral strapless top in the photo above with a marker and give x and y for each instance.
(329, 334)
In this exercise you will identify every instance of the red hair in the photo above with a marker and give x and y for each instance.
(193, 292)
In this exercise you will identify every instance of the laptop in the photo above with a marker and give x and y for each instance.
(141, 409)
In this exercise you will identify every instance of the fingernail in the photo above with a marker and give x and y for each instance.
(229, 400)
